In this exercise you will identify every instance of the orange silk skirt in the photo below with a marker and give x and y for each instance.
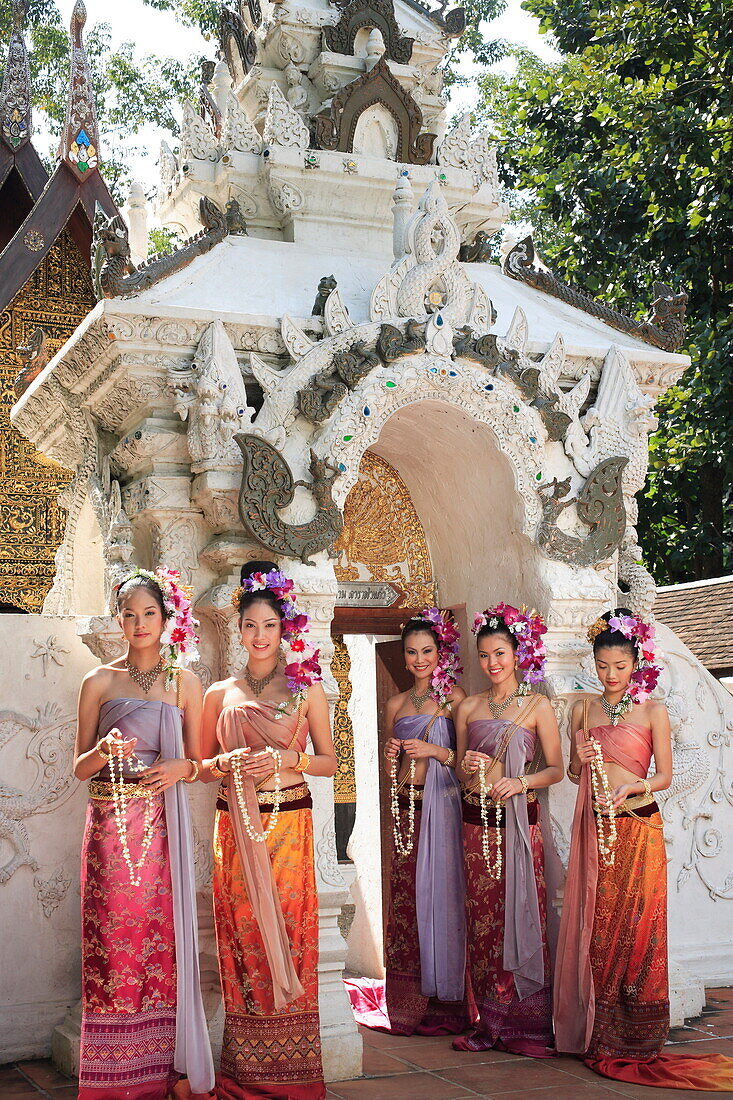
(629, 962)
(268, 1054)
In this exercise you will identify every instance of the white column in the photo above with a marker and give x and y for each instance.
(340, 1039)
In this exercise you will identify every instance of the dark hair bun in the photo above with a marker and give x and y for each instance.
(252, 567)
(614, 639)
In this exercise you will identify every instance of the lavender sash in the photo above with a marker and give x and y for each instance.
(523, 956)
(439, 883)
(158, 728)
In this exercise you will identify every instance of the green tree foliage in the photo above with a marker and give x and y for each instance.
(131, 91)
(622, 153)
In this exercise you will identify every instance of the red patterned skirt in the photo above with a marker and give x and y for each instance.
(410, 1011)
(128, 1029)
(505, 1022)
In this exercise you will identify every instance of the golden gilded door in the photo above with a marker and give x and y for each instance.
(383, 541)
(56, 298)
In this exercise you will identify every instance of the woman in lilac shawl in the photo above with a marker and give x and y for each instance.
(425, 941)
(497, 733)
(143, 1030)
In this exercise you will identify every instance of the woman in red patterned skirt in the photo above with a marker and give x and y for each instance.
(500, 733)
(143, 1026)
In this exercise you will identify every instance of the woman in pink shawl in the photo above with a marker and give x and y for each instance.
(611, 990)
(265, 901)
(143, 1031)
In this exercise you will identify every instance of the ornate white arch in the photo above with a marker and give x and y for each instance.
(489, 399)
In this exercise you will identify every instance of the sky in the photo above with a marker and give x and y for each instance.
(158, 32)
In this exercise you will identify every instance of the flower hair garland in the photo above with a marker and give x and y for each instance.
(645, 676)
(449, 668)
(179, 636)
(526, 629)
(304, 670)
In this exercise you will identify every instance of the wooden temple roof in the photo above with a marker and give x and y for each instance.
(35, 208)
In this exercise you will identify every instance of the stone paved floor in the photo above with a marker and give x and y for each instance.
(428, 1069)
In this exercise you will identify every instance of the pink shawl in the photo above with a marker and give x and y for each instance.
(255, 724)
(630, 747)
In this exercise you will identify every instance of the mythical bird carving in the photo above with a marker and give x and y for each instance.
(34, 356)
(600, 505)
(268, 487)
(119, 278)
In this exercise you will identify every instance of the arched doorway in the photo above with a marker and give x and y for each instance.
(436, 501)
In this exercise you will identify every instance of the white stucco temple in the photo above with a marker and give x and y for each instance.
(340, 369)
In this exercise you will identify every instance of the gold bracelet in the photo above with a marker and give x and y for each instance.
(450, 760)
(304, 762)
(100, 750)
(215, 770)
(525, 785)
(647, 787)
(571, 774)
(194, 774)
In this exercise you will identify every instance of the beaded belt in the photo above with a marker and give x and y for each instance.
(403, 796)
(474, 799)
(98, 788)
(266, 798)
(645, 802)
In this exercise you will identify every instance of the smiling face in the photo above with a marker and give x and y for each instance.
(421, 654)
(261, 630)
(496, 655)
(614, 665)
(140, 617)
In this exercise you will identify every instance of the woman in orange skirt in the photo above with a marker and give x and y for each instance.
(265, 900)
(611, 988)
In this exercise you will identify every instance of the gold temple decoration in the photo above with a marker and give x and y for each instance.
(344, 783)
(383, 538)
(56, 298)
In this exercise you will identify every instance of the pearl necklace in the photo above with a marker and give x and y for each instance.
(237, 761)
(121, 801)
(497, 709)
(145, 680)
(403, 846)
(601, 787)
(258, 686)
(616, 711)
(493, 863)
(419, 701)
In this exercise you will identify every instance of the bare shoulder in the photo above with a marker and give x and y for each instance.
(395, 702)
(219, 688)
(656, 710)
(98, 678)
(457, 696)
(543, 706)
(469, 705)
(316, 694)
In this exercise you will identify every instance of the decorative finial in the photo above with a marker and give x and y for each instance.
(15, 95)
(80, 140)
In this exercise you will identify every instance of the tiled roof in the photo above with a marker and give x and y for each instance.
(701, 614)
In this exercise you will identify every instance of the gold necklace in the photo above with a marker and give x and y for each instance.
(419, 701)
(145, 680)
(497, 709)
(258, 686)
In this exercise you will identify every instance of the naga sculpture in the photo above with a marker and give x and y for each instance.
(268, 487)
(600, 506)
(329, 386)
(119, 277)
(664, 327)
(325, 286)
